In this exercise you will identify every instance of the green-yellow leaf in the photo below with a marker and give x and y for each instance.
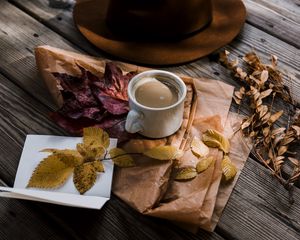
(204, 164)
(121, 158)
(228, 169)
(84, 177)
(186, 173)
(164, 153)
(199, 148)
(213, 138)
(95, 136)
(50, 173)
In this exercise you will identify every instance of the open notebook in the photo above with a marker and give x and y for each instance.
(66, 195)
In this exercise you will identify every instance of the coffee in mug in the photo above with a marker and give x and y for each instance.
(156, 101)
(156, 93)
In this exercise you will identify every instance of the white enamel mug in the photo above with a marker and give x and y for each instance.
(155, 122)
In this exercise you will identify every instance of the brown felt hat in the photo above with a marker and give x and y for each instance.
(159, 32)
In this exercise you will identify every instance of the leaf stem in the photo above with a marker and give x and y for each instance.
(110, 158)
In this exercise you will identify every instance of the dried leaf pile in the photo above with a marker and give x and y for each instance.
(199, 148)
(262, 87)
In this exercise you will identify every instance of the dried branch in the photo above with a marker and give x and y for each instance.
(263, 84)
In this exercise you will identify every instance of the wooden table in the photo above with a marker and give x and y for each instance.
(258, 207)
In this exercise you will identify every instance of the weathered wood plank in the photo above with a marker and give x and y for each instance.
(279, 18)
(117, 221)
(287, 8)
(60, 20)
(19, 34)
(60, 215)
(271, 218)
(20, 115)
(23, 220)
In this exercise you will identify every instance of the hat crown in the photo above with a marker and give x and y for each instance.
(158, 18)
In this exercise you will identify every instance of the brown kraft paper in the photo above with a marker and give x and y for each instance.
(149, 187)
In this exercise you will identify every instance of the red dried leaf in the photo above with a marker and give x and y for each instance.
(112, 105)
(114, 83)
(93, 101)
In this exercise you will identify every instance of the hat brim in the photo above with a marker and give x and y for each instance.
(228, 19)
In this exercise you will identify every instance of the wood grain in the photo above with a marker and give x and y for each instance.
(272, 212)
(276, 17)
(287, 8)
(20, 115)
(23, 220)
(19, 35)
(257, 208)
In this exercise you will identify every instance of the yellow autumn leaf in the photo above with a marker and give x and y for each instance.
(213, 138)
(121, 158)
(95, 136)
(186, 173)
(74, 153)
(90, 152)
(98, 165)
(228, 169)
(69, 160)
(141, 145)
(81, 149)
(199, 148)
(204, 164)
(84, 177)
(164, 153)
(50, 173)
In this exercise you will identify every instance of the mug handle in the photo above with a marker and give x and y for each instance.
(133, 123)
